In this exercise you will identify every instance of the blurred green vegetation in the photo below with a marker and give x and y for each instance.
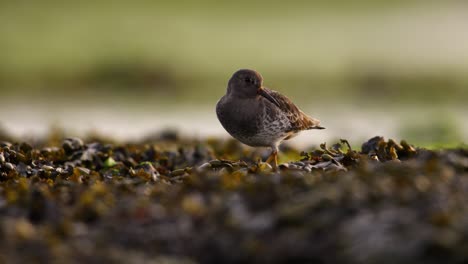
(174, 50)
(442, 131)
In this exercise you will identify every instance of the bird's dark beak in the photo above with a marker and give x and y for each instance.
(265, 94)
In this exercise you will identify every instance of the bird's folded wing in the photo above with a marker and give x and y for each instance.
(298, 119)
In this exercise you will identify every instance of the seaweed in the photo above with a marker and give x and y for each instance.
(185, 201)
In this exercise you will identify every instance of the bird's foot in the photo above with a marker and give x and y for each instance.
(273, 160)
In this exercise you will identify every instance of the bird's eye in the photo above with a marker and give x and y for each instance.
(247, 80)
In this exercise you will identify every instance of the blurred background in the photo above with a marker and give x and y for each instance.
(129, 68)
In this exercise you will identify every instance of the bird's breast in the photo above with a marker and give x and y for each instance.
(251, 122)
(237, 116)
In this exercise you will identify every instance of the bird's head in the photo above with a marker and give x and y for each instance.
(247, 83)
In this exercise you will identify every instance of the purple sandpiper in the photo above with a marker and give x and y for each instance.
(258, 116)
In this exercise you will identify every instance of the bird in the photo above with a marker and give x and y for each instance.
(258, 116)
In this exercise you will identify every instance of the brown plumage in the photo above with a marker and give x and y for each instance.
(299, 120)
(258, 116)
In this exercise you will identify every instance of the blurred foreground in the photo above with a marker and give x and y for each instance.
(176, 200)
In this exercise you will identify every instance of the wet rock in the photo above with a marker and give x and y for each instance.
(178, 172)
(5, 144)
(9, 167)
(23, 169)
(71, 145)
(205, 166)
(47, 168)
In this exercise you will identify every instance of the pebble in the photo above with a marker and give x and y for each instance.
(5, 144)
(294, 166)
(205, 166)
(178, 172)
(215, 163)
(84, 170)
(299, 163)
(47, 168)
(71, 145)
(9, 166)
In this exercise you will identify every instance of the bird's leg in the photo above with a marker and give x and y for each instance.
(273, 158)
(270, 158)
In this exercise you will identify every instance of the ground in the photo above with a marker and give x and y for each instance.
(173, 200)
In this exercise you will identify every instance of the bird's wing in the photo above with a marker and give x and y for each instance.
(298, 119)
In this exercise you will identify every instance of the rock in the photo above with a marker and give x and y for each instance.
(204, 167)
(71, 145)
(9, 167)
(47, 168)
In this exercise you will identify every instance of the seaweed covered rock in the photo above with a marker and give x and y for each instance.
(185, 201)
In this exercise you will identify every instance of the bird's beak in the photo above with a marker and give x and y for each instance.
(265, 94)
